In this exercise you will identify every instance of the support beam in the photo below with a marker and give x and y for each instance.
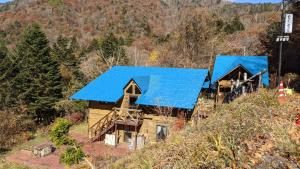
(116, 135)
(135, 139)
(259, 82)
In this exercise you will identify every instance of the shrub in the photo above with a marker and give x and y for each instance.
(75, 117)
(13, 127)
(72, 155)
(55, 2)
(179, 124)
(59, 132)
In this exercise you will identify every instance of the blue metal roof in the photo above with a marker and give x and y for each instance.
(254, 64)
(206, 85)
(142, 82)
(167, 87)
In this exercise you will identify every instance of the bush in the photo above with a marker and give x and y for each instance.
(59, 132)
(72, 155)
(13, 126)
(75, 117)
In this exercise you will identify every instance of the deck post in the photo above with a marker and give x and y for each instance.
(88, 121)
(116, 134)
(259, 82)
(244, 87)
(217, 95)
(135, 139)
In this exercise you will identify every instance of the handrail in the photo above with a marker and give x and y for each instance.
(105, 123)
(102, 119)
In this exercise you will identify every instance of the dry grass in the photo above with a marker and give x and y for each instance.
(252, 132)
(6, 165)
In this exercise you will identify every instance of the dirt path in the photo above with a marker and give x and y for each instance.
(95, 150)
(25, 157)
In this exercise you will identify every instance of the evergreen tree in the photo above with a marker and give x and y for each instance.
(64, 51)
(111, 47)
(38, 84)
(234, 26)
(237, 25)
(268, 41)
(8, 70)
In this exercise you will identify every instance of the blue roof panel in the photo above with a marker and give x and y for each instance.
(142, 82)
(168, 87)
(254, 64)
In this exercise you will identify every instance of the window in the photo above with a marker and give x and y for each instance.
(161, 132)
(137, 90)
(127, 136)
(129, 90)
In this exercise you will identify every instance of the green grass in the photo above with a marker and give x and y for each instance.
(55, 2)
(38, 139)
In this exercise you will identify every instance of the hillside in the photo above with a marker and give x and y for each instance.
(150, 25)
(251, 132)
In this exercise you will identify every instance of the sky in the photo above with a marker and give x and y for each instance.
(239, 1)
(257, 1)
(4, 1)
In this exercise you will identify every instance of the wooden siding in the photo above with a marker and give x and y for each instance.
(98, 110)
(148, 128)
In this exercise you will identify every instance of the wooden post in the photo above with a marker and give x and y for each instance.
(135, 139)
(245, 76)
(217, 95)
(88, 122)
(231, 83)
(116, 134)
(88, 126)
(243, 87)
(259, 82)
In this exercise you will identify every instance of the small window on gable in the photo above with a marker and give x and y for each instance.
(137, 90)
(129, 90)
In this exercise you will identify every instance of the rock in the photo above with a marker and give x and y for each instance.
(43, 149)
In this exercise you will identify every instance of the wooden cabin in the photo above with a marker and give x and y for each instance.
(238, 75)
(129, 104)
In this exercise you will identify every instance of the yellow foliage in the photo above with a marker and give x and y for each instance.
(153, 56)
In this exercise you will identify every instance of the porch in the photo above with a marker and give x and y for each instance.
(123, 119)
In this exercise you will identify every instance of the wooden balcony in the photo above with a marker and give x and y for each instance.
(131, 117)
(118, 116)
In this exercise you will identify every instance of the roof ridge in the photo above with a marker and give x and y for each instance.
(161, 67)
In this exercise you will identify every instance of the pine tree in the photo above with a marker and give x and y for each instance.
(111, 47)
(38, 84)
(4, 68)
(64, 51)
(234, 26)
(8, 70)
(237, 24)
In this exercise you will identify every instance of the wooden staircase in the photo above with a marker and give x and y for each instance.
(108, 124)
(104, 126)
